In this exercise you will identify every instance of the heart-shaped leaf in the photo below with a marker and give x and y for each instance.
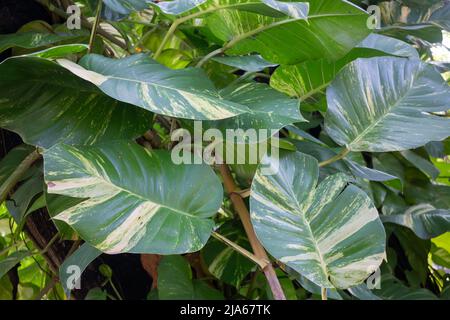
(329, 233)
(138, 201)
(386, 104)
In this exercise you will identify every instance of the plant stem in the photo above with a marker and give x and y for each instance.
(166, 38)
(337, 157)
(49, 244)
(244, 215)
(18, 173)
(324, 293)
(95, 26)
(115, 290)
(244, 252)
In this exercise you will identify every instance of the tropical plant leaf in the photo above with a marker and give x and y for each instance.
(269, 109)
(331, 234)
(31, 40)
(117, 9)
(309, 78)
(224, 262)
(441, 17)
(141, 81)
(55, 205)
(69, 109)
(10, 261)
(146, 210)
(393, 289)
(424, 220)
(385, 104)
(272, 37)
(177, 7)
(75, 265)
(265, 7)
(175, 282)
(421, 163)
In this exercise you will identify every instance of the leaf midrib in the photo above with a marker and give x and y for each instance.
(367, 130)
(130, 192)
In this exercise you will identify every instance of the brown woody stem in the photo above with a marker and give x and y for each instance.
(244, 215)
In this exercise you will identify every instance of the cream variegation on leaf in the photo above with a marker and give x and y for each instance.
(135, 200)
(330, 233)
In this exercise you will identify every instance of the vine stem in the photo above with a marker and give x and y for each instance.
(95, 26)
(244, 215)
(18, 173)
(167, 36)
(244, 252)
(324, 293)
(337, 157)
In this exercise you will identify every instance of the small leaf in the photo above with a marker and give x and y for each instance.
(175, 282)
(10, 261)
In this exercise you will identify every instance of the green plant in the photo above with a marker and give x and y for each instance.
(357, 207)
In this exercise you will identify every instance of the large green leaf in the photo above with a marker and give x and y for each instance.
(141, 81)
(139, 201)
(47, 104)
(307, 79)
(424, 220)
(385, 104)
(331, 234)
(273, 37)
(293, 9)
(31, 40)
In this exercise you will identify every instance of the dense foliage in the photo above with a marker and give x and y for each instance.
(356, 91)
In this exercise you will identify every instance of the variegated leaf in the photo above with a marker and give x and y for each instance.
(387, 104)
(425, 220)
(274, 36)
(47, 104)
(138, 201)
(177, 7)
(141, 81)
(311, 78)
(266, 7)
(329, 233)
(269, 109)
